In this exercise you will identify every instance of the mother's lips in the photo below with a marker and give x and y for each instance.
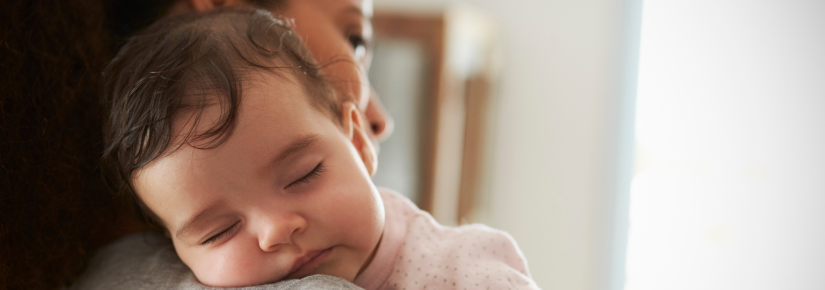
(306, 263)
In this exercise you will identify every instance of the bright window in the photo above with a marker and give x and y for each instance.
(729, 189)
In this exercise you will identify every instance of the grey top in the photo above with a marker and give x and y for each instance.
(149, 261)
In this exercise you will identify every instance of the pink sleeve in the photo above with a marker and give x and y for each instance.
(432, 256)
(498, 256)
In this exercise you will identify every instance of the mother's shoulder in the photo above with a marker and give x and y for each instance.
(148, 261)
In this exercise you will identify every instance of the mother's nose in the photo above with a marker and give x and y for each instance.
(381, 123)
(277, 229)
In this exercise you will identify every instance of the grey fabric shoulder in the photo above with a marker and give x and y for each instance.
(148, 261)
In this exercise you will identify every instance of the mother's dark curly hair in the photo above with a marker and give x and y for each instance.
(54, 210)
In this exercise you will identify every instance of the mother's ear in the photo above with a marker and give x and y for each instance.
(356, 131)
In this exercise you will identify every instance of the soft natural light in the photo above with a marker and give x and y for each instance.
(729, 190)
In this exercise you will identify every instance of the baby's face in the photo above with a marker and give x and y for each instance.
(286, 196)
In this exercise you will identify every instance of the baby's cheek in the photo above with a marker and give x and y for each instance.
(235, 264)
(367, 224)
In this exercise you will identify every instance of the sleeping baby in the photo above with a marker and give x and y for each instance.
(234, 145)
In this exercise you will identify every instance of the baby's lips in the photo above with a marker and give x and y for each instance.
(307, 259)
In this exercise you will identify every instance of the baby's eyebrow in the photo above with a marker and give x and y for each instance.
(188, 225)
(296, 146)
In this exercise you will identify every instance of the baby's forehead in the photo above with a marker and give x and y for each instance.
(261, 93)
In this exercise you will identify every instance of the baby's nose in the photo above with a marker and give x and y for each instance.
(280, 229)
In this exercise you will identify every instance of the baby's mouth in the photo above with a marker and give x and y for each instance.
(308, 262)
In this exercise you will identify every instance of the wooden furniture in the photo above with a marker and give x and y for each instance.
(451, 53)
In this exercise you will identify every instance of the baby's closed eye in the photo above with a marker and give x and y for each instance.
(223, 234)
(306, 178)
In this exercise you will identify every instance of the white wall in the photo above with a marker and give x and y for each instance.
(555, 150)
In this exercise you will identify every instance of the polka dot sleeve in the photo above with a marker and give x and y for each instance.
(432, 256)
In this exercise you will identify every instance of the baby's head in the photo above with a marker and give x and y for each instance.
(223, 130)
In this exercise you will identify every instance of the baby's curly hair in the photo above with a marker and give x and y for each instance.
(189, 62)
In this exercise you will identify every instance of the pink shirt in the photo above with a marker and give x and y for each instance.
(418, 253)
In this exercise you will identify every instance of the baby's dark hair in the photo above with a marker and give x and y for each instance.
(189, 62)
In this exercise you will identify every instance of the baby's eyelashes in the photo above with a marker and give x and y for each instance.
(313, 174)
(221, 235)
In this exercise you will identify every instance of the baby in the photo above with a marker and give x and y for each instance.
(233, 144)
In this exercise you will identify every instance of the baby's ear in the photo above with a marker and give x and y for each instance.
(356, 131)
